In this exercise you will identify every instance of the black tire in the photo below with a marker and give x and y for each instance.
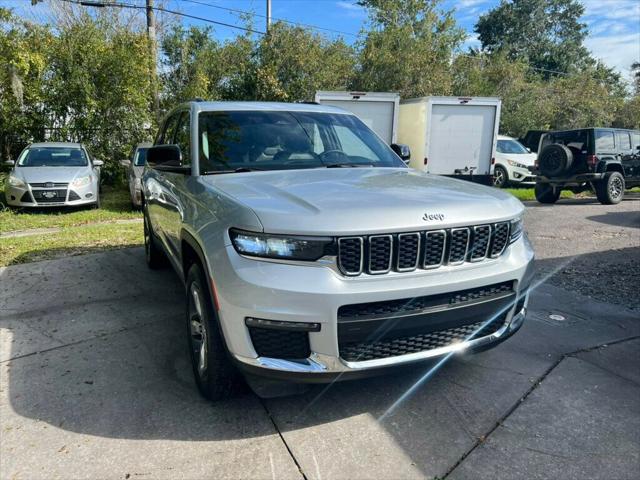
(154, 255)
(500, 177)
(610, 190)
(214, 373)
(545, 193)
(555, 159)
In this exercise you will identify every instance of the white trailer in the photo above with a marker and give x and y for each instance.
(453, 136)
(379, 111)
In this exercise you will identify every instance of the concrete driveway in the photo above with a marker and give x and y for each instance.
(95, 383)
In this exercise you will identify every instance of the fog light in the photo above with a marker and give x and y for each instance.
(89, 195)
(282, 325)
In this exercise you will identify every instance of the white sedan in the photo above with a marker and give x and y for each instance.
(512, 162)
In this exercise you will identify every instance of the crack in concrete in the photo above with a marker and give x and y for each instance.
(538, 382)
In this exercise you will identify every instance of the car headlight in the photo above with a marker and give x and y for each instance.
(81, 181)
(16, 182)
(516, 229)
(513, 163)
(280, 246)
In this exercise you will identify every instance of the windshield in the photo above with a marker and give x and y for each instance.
(288, 140)
(510, 146)
(141, 157)
(53, 157)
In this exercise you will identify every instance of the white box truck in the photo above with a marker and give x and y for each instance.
(452, 136)
(379, 111)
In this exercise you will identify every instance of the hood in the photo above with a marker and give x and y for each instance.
(363, 200)
(51, 174)
(527, 159)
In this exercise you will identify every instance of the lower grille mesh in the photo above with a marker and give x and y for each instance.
(359, 352)
(284, 344)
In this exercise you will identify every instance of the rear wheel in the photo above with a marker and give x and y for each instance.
(610, 190)
(545, 193)
(154, 256)
(500, 177)
(215, 375)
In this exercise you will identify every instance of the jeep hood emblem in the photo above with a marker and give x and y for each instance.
(433, 216)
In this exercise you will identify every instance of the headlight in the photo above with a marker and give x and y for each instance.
(516, 229)
(16, 182)
(513, 163)
(81, 181)
(280, 246)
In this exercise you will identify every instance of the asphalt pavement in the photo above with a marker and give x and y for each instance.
(95, 382)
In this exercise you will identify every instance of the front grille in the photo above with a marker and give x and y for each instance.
(49, 185)
(409, 306)
(50, 196)
(405, 252)
(26, 198)
(284, 344)
(362, 351)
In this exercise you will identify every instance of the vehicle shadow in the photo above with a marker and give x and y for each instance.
(624, 219)
(628, 197)
(96, 345)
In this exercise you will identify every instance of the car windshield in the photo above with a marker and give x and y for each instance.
(53, 157)
(510, 146)
(141, 157)
(267, 140)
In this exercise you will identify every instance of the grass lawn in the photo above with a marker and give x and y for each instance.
(81, 230)
(527, 193)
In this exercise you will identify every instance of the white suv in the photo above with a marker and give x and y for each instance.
(310, 252)
(512, 163)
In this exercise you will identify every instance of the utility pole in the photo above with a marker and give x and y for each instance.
(153, 58)
(268, 15)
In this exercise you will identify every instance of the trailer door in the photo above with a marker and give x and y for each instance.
(460, 136)
(377, 115)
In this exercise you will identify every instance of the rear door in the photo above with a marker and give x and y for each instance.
(625, 152)
(606, 145)
(635, 145)
(460, 136)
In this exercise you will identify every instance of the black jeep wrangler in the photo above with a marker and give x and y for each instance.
(604, 159)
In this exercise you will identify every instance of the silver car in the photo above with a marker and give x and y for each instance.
(310, 252)
(135, 166)
(54, 174)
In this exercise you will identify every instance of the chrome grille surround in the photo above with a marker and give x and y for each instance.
(350, 244)
(435, 246)
(382, 253)
(458, 245)
(377, 253)
(407, 250)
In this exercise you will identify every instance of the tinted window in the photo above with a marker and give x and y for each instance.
(604, 141)
(577, 139)
(636, 140)
(141, 157)
(510, 146)
(288, 140)
(53, 157)
(624, 141)
(183, 138)
(169, 130)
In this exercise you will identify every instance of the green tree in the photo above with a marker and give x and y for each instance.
(407, 48)
(547, 34)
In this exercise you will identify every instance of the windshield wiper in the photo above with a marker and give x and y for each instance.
(235, 170)
(348, 165)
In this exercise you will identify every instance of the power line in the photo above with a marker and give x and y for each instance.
(246, 12)
(89, 3)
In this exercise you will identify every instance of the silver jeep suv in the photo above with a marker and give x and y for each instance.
(310, 252)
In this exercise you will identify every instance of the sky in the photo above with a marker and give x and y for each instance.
(614, 25)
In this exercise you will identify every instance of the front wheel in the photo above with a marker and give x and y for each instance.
(545, 193)
(215, 376)
(500, 177)
(610, 190)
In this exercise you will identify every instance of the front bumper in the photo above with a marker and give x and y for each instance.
(522, 176)
(28, 196)
(250, 288)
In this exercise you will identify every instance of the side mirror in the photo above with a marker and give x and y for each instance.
(97, 163)
(11, 163)
(528, 149)
(637, 148)
(167, 158)
(125, 163)
(402, 150)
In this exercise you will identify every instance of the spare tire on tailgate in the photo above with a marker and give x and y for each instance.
(555, 159)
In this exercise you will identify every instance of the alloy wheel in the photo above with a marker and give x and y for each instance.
(197, 328)
(615, 187)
